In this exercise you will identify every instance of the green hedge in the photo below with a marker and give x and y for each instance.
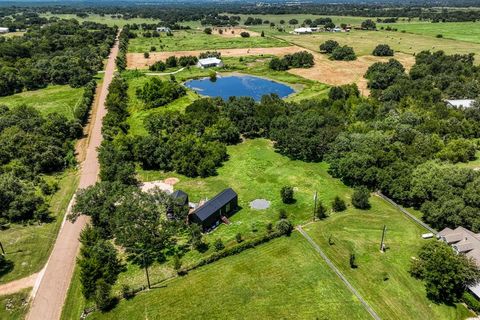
(471, 301)
(83, 108)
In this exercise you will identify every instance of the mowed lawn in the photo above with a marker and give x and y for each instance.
(283, 279)
(28, 246)
(14, 306)
(381, 278)
(463, 31)
(363, 42)
(54, 98)
(198, 40)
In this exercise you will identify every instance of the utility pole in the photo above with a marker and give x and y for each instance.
(382, 245)
(146, 270)
(315, 196)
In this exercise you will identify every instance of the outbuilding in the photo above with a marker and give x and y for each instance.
(214, 211)
(302, 30)
(4, 30)
(164, 29)
(209, 63)
(460, 103)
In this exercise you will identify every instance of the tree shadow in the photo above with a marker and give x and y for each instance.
(5, 267)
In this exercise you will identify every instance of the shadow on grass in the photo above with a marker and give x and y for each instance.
(6, 266)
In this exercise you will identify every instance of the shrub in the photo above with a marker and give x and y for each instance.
(471, 301)
(156, 93)
(218, 245)
(269, 227)
(238, 237)
(210, 54)
(262, 34)
(352, 261)
(338, 205)
(321, 211)
(171, 62)
(383, 50)
(328, 46)
(282, 214)
(153, 48)
(127, 292)
(187, 61)
(360, 198)
(344, 53)
(287, 194)
(278, 64)
(207, 30)
(245, 34)
(146, 55)
(284, 226)
(439, 35)
(369, 25)
(103, 297)
(177, 263)
(158, 66)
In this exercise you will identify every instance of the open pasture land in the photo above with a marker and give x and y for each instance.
(463, 31)
(363, 42)
(106, 19)
(28, 246)
(198, 40)
(283, 279)
(381, 278)
(54, 98)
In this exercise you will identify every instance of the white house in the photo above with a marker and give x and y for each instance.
(164, 29)
(461, 103)
(4, 30)
(209, 62)
(302, 30)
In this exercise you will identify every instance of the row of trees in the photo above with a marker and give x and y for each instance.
(301, 59)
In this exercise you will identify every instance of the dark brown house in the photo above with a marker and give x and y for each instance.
(210, 214)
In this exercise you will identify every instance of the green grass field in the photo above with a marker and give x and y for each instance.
(28, 246)
(61, 99)
(359, 232)
(107, 19)
(198, 40)
(284, 279)
(463, 31)
(17, 305)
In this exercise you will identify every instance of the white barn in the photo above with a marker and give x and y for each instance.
(209, 62)
(302, 30)
(4, 30)
(164, 29)
(460, 103)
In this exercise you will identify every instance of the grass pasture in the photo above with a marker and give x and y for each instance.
(400, 296)
(283, 279)
(54, 98)
(28, 246)
(14, 306)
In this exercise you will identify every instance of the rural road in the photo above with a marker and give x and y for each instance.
(50, 290)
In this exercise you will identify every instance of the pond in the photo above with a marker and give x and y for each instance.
(239, 86)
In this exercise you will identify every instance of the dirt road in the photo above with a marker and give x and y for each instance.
(51, 288)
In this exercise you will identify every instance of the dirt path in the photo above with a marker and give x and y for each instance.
(51, 288)
(17, 285)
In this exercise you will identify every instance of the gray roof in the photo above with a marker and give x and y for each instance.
(465, 103)
(463, 241)
(217, 202)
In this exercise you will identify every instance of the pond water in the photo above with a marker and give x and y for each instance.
(239, 86)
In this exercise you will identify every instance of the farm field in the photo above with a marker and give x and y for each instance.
(361, 233)
(463, 31)
(198, 40)
(54, 98)
(28, 246)
(281, 279)
(17, 305)
(107, 19)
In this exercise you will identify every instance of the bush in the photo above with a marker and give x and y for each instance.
(338, 205)
(471, 301)
(352, 261)
(439, 35)
(158, 66)
(187, 61)
(207, 30)
(156, 93)
(262, 34)
(383, 50)
(210, 54)
(103, 297)
(344, 53)
(127, 292)
(245, 34)
(328, 46)
(284, 226)
(321, 211)
(171, 62)
(287, 194)
(218, 245)
(153, 48)
(360, 198)
(146, 55)
(282, 214)
(238, 237)
(278, 64)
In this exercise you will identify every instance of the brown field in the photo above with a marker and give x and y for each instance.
(233, 32)
(325, 70)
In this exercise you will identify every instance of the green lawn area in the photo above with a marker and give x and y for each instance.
(283, 279)
(399, 297)
(198, 40)
(28, 246)
(363, 42)
(463, 31)
(54, 98)
(17, 305)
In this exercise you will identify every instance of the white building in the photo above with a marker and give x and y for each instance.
(461, 103)
(164, 29)
(209, 62)
(302, 30)
(4, 30)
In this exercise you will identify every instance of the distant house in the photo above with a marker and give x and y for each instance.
(464, 241)
(460, 103)
(209, 62)
(4, 30)
(211, 213)
(302, 30)
(337, 29)
(164, 29)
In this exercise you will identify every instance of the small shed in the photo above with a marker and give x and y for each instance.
(212, 212)
(209, 63)
(4, 30)
(302, 30)
(460, 103)
(164, 29)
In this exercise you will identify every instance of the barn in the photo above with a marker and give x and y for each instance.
(216, 210)
(209, 62)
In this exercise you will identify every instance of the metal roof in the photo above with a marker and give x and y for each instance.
(465, 103)
(213, 205)
(209, 61)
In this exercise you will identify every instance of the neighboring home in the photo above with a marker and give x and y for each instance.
(337, 29)
(461, 103)
(180, 202)
(4, 30)
(209, 62)
(164, 29)
(302, 30)
(211, 213)
(465, 242)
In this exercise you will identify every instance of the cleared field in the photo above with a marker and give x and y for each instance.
(107, 19)
(364, 42)
(284, 279)
(15, 306)
(28, 246)
(198, 40)
(381, 278)
(463, 31)
(60, 99)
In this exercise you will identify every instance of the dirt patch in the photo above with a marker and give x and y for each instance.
(138, 61)
(233, 32)
(344, 72)
(162, 185)
(171, 181)
(260, 204)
